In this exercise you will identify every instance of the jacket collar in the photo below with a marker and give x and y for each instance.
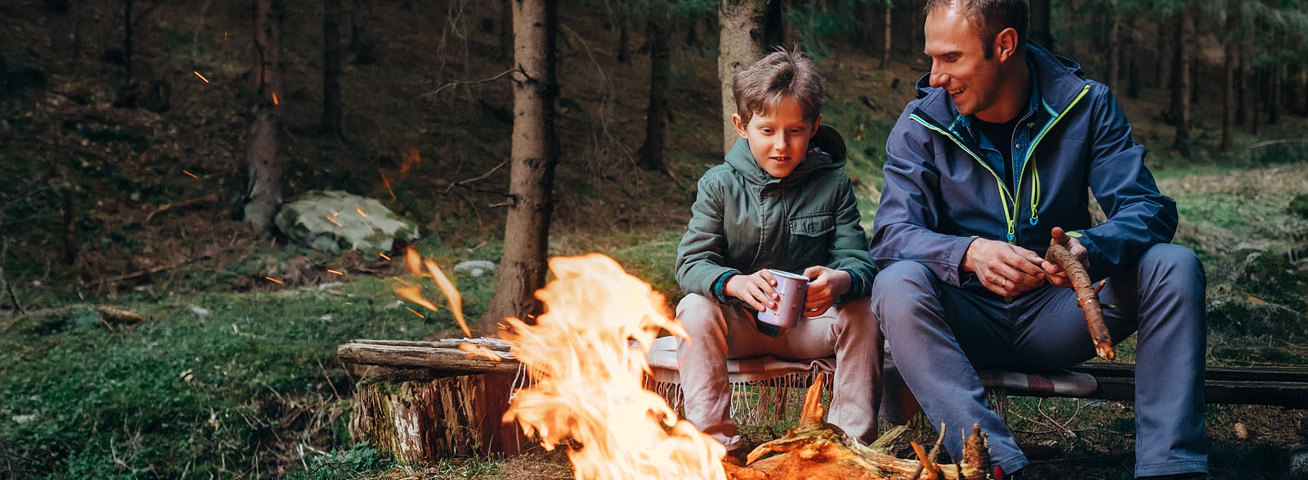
(1059, 80)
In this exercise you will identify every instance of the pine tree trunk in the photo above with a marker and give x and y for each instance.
(1040, 23)
(656, 116)
(885, 38)
(264, 192)
(127, 40)
(1114, 51)
(740, 26)
(1181, 99)
(624, 47)
(1274, 93)
(534, 157)
(1228, 95)
(506, 29)
(331, 70)
(1132, 65)
(1165, 49)
(1244, 106)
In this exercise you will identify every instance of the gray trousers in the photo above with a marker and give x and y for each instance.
(940, 335)
(718, 332)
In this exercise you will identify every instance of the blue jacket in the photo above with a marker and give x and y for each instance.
(942, 189)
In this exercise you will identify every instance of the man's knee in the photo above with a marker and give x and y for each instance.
(898, 287)
(1173, 261)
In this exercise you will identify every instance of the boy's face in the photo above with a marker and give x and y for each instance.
(778, 139)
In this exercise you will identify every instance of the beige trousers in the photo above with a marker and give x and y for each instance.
(718, 332)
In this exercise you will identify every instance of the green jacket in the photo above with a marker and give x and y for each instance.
(745, 220)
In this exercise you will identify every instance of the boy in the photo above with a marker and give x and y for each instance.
(779, 201)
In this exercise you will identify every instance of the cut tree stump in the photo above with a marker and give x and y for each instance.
(421, 416)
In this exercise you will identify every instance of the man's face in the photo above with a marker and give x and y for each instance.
(779, 138)
(958, 63)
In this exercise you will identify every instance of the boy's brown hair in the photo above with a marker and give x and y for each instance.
(781, 74)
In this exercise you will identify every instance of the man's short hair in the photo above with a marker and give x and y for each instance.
(991, 17)
(784, 73)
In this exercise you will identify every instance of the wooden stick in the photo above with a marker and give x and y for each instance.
(1086, 297)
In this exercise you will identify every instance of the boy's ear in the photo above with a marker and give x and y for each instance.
(740, 126)
(817, 122)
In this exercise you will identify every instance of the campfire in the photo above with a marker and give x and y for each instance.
(586, 358)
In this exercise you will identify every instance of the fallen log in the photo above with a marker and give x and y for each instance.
(818, 450)
(1087, 297)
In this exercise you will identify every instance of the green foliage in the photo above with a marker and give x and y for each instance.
(816, 21)
(209, 384)
(354, 463)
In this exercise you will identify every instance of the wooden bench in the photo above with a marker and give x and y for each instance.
(468, 394)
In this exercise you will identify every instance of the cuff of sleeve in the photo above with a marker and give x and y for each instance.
(720, 285)
(956, 257)
(855, 288)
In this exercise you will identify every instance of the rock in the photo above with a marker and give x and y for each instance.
(474, 268)
(1299, 463)
(332, 221)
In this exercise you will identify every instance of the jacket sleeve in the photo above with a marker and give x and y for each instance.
(1139, 215)
(701, 255)
(907, 220)
(849, 249)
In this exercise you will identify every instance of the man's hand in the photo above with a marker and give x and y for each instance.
(1003, 268)
(756, 289)
(1055, 273)
(824, 287)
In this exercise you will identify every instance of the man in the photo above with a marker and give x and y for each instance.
(999, 149)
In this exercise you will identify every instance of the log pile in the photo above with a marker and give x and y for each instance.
(818, 450)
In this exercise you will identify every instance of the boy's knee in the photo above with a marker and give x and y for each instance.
(698, 313)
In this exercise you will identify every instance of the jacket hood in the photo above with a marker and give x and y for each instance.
(826, 151)
(1060, 79)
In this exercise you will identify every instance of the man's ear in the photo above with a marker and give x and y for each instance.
(1006, 44)
(740, 125)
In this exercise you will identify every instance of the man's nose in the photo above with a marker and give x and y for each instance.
(938, 79)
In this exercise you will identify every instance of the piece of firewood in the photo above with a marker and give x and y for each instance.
(818, 450)
(1086, 295)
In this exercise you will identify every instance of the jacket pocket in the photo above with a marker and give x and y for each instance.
(816, 225)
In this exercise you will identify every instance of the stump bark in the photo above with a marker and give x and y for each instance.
(421, 416)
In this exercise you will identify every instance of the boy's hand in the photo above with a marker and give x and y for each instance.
(825, 285)
(756, 289)
(1055, 274)
(1003, 268)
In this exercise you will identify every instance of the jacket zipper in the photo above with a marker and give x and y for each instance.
(1010, 216)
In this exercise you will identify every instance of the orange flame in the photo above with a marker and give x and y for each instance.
(415, 264)
(411, 159)
(197, 73)
(479, 351)
(587, 356)
(189, 174)
(274, 280)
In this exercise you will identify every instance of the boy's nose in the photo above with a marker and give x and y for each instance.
(781, 142)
